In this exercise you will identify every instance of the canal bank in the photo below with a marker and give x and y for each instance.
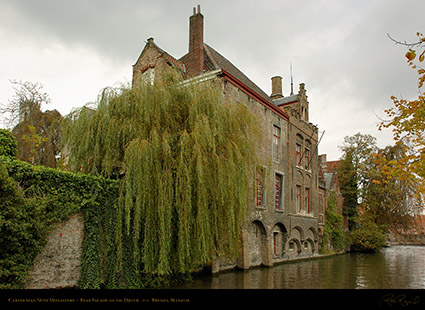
(406, 239)
(396, 267)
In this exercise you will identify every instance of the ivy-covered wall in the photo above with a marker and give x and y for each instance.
(33, 198)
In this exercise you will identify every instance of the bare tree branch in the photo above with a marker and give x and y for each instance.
(27, 95)
(410, 45)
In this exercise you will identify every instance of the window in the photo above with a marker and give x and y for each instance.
(276, 143)
(148, 75)
(259, 190)
(275, 242)
(298, 155)
(278, 192)
(307, 159)
(298, 201)
(307, 200)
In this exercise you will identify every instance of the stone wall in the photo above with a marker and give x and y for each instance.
(272, 236)
(150, 64)
(406, 239)
(58, 265)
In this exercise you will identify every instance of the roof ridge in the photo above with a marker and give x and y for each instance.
(169, 57)
(223, 63)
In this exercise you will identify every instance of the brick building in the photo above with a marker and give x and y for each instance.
(282, 222)
(329, 182)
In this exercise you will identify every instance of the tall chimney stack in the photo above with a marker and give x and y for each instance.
(276, 87)
(196, 43)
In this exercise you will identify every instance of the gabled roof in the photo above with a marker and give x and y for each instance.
(170, 59)
(213, 60)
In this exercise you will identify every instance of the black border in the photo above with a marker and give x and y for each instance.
(376, 299)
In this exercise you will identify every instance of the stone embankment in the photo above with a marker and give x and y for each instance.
(406, 239)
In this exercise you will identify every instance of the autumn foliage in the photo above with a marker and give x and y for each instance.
(407, 120)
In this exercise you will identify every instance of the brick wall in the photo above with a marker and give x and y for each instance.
(268, 232)
(150, 63)
(195, 64)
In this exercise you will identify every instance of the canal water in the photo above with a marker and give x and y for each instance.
(396, 267)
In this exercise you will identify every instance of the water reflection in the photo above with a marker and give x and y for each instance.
(393, 268)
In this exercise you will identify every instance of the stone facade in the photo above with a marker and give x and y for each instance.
(59, 264)
(284, 214)
(282, 222)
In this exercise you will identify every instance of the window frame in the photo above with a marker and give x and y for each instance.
(277, 134)
(298, 155)
(298, 198)
(278, 185)
(275, 241)
(307, 200)
(259, 187)
(307, 159)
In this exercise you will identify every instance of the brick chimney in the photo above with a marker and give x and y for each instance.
(276, 87)
(195, 64)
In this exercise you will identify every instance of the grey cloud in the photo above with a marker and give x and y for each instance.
(339, 48)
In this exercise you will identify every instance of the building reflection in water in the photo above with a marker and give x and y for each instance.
(393, 268)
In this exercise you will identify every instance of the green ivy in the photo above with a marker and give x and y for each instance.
(333, 232)
(33, 198)
(8, 143)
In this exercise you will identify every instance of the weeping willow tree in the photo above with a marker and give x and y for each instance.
(184, 158)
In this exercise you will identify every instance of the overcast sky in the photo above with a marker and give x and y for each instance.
(338, 48)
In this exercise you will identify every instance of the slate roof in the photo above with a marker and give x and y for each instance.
(285, 100)
(213, 60)
(328, 180)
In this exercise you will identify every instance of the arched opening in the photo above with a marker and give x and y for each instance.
(279, 237)
(313, 237)
(297, 233)
(294, 247)
(257, 243)
(309, 246)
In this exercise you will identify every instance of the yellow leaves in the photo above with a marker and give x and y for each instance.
(33, 140)
(410, 55)
(421, 80)
(407, 118)
(421, 56)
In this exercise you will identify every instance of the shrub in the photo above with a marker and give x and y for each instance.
(7, 144)
(367, 238)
